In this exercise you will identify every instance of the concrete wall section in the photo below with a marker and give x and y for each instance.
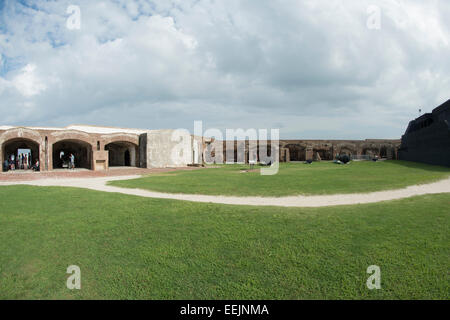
(169, 148)
(100, 160)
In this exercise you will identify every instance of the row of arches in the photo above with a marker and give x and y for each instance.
(120, 153)
(298, 152)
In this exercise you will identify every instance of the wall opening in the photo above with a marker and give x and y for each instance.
(325, 154)
(346, 151)
(122, 153)
(370, 152)
(127, 158)
(80, 149)
(296, 152)
(25, 153)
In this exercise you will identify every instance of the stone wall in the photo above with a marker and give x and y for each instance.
(173, 148)
(301, 150)
(50, 142)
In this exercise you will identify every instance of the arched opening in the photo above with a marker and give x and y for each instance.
(371, 152)
(81, 150)
(383, 152)
(19, 154)
(324, 154)
(346, 151)
(122, 153)
(296, 152)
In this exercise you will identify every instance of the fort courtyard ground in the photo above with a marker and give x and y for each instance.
(143, 221)
(132, 246)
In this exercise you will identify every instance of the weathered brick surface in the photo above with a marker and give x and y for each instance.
(301, 150)
(47, 140)
(155, 148)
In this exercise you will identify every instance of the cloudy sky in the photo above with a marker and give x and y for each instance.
(313, 69)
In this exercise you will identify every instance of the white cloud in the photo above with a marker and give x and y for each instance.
(27, 82)
(163, 64)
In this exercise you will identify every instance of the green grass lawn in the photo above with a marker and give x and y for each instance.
(292, 179)
(139, 248)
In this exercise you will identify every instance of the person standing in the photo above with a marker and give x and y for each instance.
(72, 161)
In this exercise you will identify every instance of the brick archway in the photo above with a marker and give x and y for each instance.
(62, 149)
(28, 137)
(122, 153)
(123, 149)
(116, 138)
(10, 148)
(297, 151)
(346, 148)
(76, 141)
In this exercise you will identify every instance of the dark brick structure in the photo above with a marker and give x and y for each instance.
(427, 138)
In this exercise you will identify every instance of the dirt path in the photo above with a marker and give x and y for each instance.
(99, 184)
(28, 175)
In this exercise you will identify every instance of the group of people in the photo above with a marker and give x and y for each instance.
(22, 161)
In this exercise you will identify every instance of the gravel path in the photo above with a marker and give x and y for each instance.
(99, 184)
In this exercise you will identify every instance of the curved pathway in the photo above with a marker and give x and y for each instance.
(99, 184)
